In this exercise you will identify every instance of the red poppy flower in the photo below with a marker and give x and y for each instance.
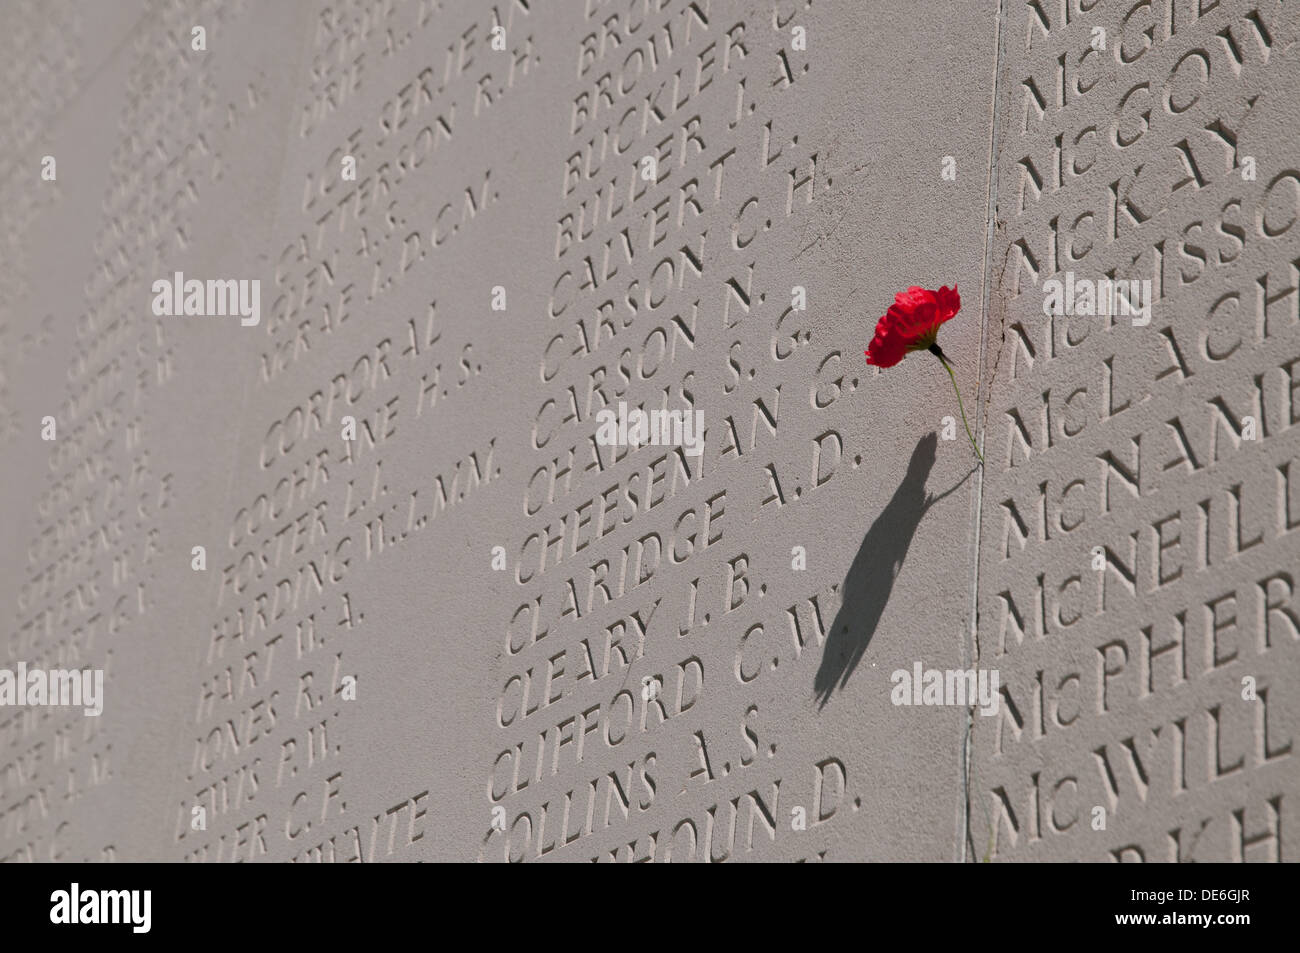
(911, 324)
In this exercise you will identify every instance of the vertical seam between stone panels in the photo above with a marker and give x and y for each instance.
(970, 647)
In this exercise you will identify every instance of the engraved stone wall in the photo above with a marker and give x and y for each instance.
(313, 314)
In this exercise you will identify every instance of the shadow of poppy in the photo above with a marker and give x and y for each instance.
(870, 579)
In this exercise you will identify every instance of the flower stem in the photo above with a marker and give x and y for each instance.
(953, 377)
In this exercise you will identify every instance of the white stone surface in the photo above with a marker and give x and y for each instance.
(816, 162)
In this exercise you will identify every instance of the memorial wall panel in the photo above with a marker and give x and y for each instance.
(442, 430)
